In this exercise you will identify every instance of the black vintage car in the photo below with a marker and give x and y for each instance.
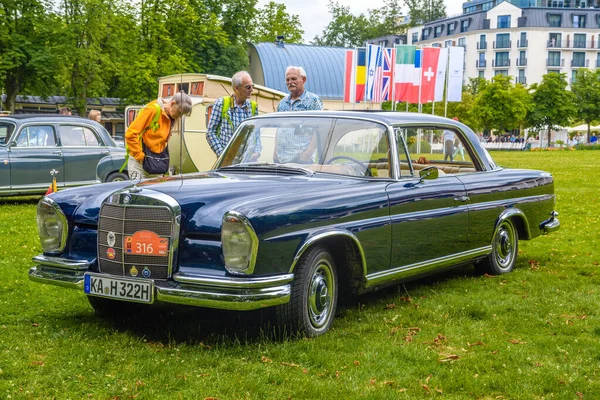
(300, 208)
(79, 150)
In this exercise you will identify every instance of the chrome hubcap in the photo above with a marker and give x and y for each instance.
(320, 293)
(504, 246)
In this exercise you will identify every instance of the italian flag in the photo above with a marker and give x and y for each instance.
(405, 71)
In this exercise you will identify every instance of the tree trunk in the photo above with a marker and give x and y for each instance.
(13, 87)
(549, 144)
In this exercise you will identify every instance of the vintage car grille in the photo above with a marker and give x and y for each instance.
(119, 221)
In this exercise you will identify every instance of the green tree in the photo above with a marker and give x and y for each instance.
(423, 11)
(28, 61)
(273, 20)
(345, 29)
(501, 105)
(586, 92)
(553, 105)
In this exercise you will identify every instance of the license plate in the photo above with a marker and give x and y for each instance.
(137, 290)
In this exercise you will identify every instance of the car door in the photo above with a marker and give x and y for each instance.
(6, 129)
(32, 156)
(82, 149)
(429, 217)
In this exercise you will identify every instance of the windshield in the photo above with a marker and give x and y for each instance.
(321, 144)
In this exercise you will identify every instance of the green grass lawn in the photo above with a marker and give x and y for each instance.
(531, 334)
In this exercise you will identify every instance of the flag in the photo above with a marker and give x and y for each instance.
(387, 83)
(52, 188)
(404, 70)
(440, 78)
(350, 77)
(455, 74)
(361, 73)
(375, 74)
(427, 71)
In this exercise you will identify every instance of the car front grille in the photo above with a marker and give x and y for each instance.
(119, 222)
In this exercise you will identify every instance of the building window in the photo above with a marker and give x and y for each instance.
(555, 40)
(438, 31)
(502, 59)
(415, 37)
(168, 90)
(555, 20)
(578, 59)
(462, 42)
(197, 88)
(573, 76)
(464, 25)
(502, 41)
(448, 43)
(426, 33)
(578, 21)
(451, 28)
(554, 59)
(481, 61)
(481, 74)
(521, 78)
(523, 40)
(503, 21)
(579, 40)
(522, 58)
(436, 45)
(501, 72)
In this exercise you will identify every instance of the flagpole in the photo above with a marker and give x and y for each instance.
(419, 106)
(447, 79)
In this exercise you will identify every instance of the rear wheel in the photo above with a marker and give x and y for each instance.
(313, 301)
(117, 177)
(505, 246)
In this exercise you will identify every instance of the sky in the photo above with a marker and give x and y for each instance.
(314, 14)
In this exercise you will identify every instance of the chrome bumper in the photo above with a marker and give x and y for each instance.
(226, 293)
(550, 225)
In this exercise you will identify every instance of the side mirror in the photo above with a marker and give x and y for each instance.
(430, 172)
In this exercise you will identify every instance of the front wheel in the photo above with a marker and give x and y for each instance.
(505, 246)
(313, 301)
(117, 177)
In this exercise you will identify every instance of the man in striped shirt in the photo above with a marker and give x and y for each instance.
(221, 126)
(293, 146)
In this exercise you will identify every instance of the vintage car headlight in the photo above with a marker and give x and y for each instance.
(240, 243)
(52, 226)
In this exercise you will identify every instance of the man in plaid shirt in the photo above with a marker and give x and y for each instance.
(220, 130)
(293, 146)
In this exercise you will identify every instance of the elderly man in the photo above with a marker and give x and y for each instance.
(293, 146)
(228, 112)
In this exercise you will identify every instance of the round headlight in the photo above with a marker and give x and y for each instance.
(52, 226)
(240, 243)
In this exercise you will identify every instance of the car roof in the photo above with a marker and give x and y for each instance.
(51, 117)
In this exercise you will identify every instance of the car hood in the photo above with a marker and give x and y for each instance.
(205, 197)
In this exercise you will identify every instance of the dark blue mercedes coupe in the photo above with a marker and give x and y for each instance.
(299, 209)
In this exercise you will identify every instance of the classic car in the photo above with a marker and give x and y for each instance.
(79, 150)
(299, 209)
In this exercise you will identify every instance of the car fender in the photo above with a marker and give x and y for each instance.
(520, 220)
(109, 164)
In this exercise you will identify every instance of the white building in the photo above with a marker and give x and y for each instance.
(524, 39)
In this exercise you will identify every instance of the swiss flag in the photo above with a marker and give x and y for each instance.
(429, 67)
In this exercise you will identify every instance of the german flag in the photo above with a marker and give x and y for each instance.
(52, 188)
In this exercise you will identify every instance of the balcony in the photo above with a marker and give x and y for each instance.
(481, 45)
(580, 63)
(481, 63)
(521, 62)
(555, 63)
(500, 63)
(558, 44)
(504, 44)
(522, 43)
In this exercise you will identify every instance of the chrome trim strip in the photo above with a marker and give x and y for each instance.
(408, 271)
(311, 240)
(233, 283)
(62, 263)
(72, 279)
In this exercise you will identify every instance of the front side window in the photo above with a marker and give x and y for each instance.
(71, 135)
(445, 149)
(36, 136)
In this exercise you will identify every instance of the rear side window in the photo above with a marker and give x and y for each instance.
(77, 136)
(5, 131)
(36, 136)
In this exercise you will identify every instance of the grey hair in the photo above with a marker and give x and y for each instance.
(184, 102)
(300, 70)
(236, 79)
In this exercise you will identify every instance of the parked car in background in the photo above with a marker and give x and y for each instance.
(80, 150)
(362, 203)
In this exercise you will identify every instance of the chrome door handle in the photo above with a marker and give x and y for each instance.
(462, 199)
(57, 152)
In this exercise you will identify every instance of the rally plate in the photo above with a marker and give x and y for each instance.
(137, 290)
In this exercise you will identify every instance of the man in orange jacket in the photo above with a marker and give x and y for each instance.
(155, 137)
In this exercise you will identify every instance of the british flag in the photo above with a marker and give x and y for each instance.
(387, 81)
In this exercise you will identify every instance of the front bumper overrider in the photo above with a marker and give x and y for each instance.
(228, 293)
